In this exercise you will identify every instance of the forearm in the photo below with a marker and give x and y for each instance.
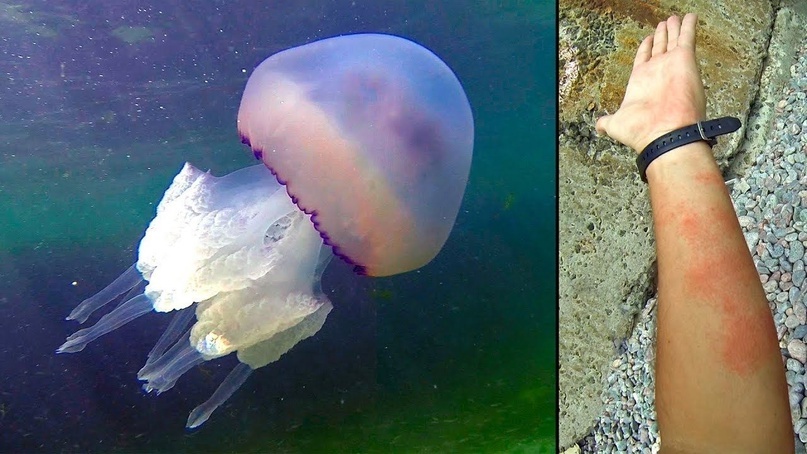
(720, 381)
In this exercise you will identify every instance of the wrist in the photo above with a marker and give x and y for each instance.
(684, 162)
(703, 131)
(648, 139)
(660, 132)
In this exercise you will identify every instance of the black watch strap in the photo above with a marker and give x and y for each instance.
(702, 130)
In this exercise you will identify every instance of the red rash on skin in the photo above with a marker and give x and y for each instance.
(710, 178)
(746, 331)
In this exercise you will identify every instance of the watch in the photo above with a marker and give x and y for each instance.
(702, 130)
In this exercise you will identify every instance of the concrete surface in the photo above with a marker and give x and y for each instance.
(606, 246)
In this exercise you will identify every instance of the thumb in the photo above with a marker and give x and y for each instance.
(602, 124)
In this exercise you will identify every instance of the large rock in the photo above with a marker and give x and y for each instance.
(606, 245)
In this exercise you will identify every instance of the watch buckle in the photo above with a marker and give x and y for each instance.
(710, 140)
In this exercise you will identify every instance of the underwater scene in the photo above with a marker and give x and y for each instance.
(291, 227)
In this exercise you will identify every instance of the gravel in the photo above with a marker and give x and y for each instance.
(771, 204)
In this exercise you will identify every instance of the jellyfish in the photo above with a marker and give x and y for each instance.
(366, 143)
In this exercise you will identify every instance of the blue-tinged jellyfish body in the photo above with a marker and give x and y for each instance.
(366, 143)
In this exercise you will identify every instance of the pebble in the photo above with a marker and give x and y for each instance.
(798, 277)
(796, 251)
(746, 221)
(794, 294)
(800, 311)
(795, 400)
(797, 350)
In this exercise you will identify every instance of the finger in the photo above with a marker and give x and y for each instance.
(602, 125)
(673, 30)
(643, 54)
(660, 39)
(686, 38)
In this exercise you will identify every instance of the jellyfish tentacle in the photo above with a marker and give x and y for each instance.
(163, 373)
(125, 282)
(122, 315)
(136, 290)
(234, 380)
(151, 368)
(179, 324)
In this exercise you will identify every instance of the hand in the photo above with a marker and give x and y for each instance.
(664, 92)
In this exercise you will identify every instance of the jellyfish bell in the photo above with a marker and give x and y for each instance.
(368, 141)
(378, 149)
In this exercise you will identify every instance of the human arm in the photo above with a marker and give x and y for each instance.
(720, 384)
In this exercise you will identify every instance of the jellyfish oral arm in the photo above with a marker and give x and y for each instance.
(234, 380)
(240, 247)
(123, 314)
(124, 283)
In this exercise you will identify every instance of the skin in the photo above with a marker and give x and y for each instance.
(720, 379)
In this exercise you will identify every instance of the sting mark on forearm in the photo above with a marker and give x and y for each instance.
(719, 272)
(710, 178)
(746, 332)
